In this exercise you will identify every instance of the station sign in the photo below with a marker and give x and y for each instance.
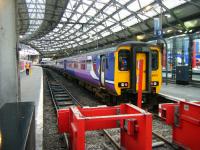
(157, 27)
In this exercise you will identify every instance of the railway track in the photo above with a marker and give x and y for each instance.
(162, 134)
(62, 98)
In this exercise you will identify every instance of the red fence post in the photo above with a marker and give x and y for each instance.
(139, 100)
(137, 133)
(194, 55)
(184, 117)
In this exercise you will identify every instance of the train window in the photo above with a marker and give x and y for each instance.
(89, 64)
(76, 65)
(103, 63)
(154, 63)
(82, 66)
(123, 57)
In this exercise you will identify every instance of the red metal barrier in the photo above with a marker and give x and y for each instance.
(185, 120)
(135, 125)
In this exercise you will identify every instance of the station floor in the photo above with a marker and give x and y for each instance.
(181, 92)
(32, 90)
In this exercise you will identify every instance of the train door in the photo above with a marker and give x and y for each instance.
(102, 69)
(65, 65)
(141, 57)
(141, 54)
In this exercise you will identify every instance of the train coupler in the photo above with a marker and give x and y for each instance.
(184, 117)
(135, 125)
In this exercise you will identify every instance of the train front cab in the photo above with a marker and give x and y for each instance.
(127, 68)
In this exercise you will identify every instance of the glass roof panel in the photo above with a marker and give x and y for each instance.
(134, 6)
(123, 1)
(99, 5)
(91, 12)
(124, 13)
(144, 3)
(110, 9)
(171, 3)
(85, 21)
(116, 28)
(82, 8)
(36, 10)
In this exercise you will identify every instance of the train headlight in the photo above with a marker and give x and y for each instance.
(154, 83)
(123, 84)
(126, 84)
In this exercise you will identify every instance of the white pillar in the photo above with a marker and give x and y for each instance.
(8, 55)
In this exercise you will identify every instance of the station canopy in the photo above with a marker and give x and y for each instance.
(65, 27)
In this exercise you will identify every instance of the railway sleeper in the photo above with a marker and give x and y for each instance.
(65, 103)
(63, 99)
(61, 95)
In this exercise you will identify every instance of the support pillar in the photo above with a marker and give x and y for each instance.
(174, 58)
(9, 90)
(190, 52)
(183, 51)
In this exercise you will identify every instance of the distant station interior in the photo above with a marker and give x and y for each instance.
(99, 74)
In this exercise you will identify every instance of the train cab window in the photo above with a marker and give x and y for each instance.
(154, 63)
(123, 57)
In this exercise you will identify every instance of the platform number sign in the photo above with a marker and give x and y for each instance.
(157, 27)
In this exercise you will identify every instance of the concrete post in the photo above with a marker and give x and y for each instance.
(8, 55)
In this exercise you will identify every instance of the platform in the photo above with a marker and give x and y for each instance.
(182, 92)
(32, 91)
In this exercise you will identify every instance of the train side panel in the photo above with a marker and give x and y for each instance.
(109, 77)
(90, 72)
(156, 74)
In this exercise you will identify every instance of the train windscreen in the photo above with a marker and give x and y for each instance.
(123, 57)
(154, 62)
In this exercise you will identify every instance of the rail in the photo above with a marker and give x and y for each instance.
(62, 98)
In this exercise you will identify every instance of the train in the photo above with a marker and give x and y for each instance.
(115, 70)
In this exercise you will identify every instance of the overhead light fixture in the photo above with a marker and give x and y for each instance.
(167, 15)
(180, 31)
(147, 8)
(168, 31)
(140, 37)
(191, 24)
(190, 31)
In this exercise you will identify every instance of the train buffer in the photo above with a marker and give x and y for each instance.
(184, 117)
(135, 125)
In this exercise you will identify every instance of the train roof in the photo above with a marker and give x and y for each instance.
(133, 43)
(109, 49)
